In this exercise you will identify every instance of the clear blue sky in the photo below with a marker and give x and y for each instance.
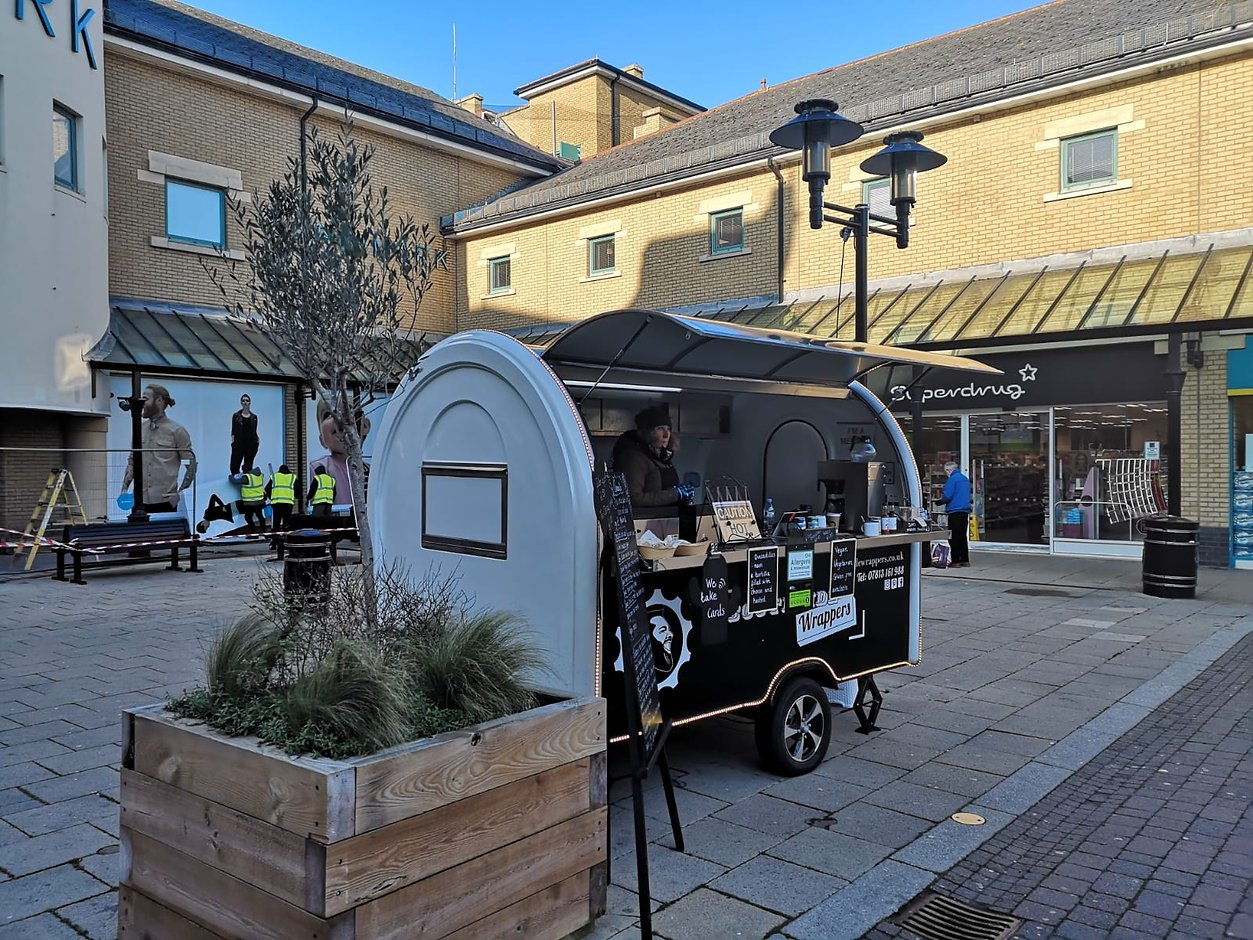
(705, 51)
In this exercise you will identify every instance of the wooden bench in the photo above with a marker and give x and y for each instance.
(112, 544)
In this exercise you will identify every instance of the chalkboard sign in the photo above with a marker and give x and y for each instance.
(843, 566)
(613, 507)
(714, 595)
(763, 579)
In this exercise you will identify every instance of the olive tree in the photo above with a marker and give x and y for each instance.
(334, 276)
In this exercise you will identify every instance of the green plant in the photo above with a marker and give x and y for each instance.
(353, 693)
(240, 659)
(477, 664)
(325, 679)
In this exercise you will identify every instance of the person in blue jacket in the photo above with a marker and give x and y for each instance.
(956, 498)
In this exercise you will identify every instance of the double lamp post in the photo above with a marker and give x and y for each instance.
(814, 131)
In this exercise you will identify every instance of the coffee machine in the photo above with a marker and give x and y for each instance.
(856, 488)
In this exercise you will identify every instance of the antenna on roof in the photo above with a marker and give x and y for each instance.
(454, 63)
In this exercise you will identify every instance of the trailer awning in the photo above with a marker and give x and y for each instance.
(653, 341)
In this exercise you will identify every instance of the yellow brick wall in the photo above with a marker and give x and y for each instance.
(632, 104)
(1205, 459)
(987, 205)
(659, 244)
(158, 109)
(578, 112)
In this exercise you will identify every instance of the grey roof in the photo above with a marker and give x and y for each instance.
(601, 63)
(201, 36)
(1025, 51)
(184, 340)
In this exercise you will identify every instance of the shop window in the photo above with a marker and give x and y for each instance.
(726, 231)
(601, 256)
(500, 275)
(195, 214)
(64, 147)
(1090, 160)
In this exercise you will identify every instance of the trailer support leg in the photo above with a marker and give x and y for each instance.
(866, 684)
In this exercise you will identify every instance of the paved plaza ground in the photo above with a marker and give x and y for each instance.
(1103, 735)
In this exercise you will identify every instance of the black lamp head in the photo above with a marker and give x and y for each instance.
(814, 131)
(901, 161)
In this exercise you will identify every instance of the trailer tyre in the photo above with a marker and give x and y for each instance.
(794, 733)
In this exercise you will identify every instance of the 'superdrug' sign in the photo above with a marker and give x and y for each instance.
(73, 14)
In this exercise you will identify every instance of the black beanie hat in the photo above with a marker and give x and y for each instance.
(653, 416)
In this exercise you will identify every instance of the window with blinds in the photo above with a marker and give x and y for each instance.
(1090, 160)
(499, 275)
(600, 256)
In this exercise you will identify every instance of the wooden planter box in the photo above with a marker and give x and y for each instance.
(494, 830)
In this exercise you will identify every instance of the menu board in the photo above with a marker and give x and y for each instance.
(613, 508)
(763, 579)
(843, 566)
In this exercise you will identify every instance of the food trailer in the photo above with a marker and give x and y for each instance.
(485, 466)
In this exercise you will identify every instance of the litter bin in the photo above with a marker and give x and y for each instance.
(307, 568)
(1170, 553)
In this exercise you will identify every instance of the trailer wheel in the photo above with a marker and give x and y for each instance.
(794, 733)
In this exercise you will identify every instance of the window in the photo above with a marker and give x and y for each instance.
(570, 151)
(465, 508)
(600, 255)
(1090, 160)
(726, 231)
(195, 214)
(877, 194)
(499, 275)
(64, 147)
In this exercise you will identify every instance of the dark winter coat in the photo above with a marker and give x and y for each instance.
(651, 477)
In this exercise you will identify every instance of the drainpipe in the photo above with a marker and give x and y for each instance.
(615, 132)
(304, 174)
(780, 195)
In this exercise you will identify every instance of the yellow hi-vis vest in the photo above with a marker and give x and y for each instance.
(283, 489)
(253, 490)
(325, 493)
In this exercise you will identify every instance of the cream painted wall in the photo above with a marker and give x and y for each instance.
(53, 242)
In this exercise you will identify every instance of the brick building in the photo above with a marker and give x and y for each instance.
(1085, 214)
(590, 107)
(198, 111)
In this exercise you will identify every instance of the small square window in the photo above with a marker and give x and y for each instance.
(726, 231)
(195, 214)
(1090, 160)
(499, 275)
(65, 147)
(600, 255)
(877, 194)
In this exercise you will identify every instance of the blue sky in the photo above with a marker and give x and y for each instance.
(707, 52)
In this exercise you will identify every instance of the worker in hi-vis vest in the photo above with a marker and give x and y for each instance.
(281, 491)
(321, 491)
(252, 499)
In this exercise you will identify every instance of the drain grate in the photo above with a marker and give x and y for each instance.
(1040, 592)
(935, 917)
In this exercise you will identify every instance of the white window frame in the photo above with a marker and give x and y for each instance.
(1109, 133)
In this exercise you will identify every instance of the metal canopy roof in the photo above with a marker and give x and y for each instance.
(1145, 295)
(653, 341)
(210, 342)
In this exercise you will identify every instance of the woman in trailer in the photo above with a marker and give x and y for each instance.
(646, 456)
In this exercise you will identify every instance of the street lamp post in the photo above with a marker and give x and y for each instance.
(814, 131)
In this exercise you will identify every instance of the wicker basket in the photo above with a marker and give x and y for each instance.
(693, 548)
(655, 552)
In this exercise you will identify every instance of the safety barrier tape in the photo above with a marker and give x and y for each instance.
(72, 547)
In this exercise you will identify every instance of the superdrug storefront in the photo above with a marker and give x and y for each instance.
(1065, 450)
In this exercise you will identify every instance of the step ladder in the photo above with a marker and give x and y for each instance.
(60, 493)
